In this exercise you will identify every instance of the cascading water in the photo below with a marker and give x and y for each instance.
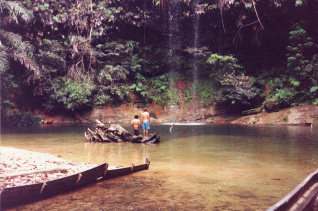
(173, 20)
(196, 19)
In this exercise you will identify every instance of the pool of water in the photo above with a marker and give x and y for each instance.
(195, 167)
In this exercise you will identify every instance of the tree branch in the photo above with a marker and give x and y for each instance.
(257, 14)
(241, 28)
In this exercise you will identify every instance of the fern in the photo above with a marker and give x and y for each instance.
(313, 89)
(15, 10)
(14, 41)
(20, 51)
(4, 60)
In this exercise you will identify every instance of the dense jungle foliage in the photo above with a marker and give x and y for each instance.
(68, 56)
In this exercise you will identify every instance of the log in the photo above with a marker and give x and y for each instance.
(170, 129)
(93, 135)
(116, 133)
(152, 139)
(34, 172)
(137, 139)
(100, 124)
(113, 137)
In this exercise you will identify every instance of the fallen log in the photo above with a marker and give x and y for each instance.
(152, 139)
(99, 124)
(116, 133)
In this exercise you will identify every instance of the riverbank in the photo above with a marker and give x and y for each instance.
(16, 161)
(298, 115)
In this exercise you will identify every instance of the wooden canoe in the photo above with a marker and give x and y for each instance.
(14, 196)
(302, 198)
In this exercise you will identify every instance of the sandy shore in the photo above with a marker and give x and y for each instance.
(16, 161)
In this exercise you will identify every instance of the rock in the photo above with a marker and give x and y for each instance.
(252, 111)
(208, 115)
(271, 105)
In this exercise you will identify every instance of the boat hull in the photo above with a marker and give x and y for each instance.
(303, 198)
(14, 196)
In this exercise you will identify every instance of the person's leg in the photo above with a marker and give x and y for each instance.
(143, 128)
(147, 134)
(136, 132)
(144, 133)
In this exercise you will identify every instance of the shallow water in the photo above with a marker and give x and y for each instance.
(196, 167)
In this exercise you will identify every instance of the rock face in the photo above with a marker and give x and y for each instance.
(300, 115)
(210, 114)
(252, 111)
(271, 106)
(125, 113)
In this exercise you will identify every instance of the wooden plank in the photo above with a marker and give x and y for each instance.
(292, 198)
(55, 170)
(111, 173)
(14, 196)
(306, 201)
(21, 194)
(60, 185)
(140, 167)
(11, 195)
(91, 175)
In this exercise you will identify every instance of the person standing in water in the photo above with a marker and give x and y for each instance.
(145, 119)
(135, 123)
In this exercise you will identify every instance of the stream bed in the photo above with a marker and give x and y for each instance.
(195, 167)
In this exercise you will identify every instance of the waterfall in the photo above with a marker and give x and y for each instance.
(173, 20)
(196, 19)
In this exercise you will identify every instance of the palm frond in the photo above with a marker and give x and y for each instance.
(20, 51)
(51, 61)
(27, 62)
(12, 40)
(15, 10)
(4, 59)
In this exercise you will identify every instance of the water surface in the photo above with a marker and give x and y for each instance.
(196, 167)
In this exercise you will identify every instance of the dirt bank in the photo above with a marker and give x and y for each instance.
(300, 115)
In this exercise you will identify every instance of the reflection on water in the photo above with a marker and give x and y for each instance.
(196, 167)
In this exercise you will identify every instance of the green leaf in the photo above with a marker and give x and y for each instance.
(314, 89)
